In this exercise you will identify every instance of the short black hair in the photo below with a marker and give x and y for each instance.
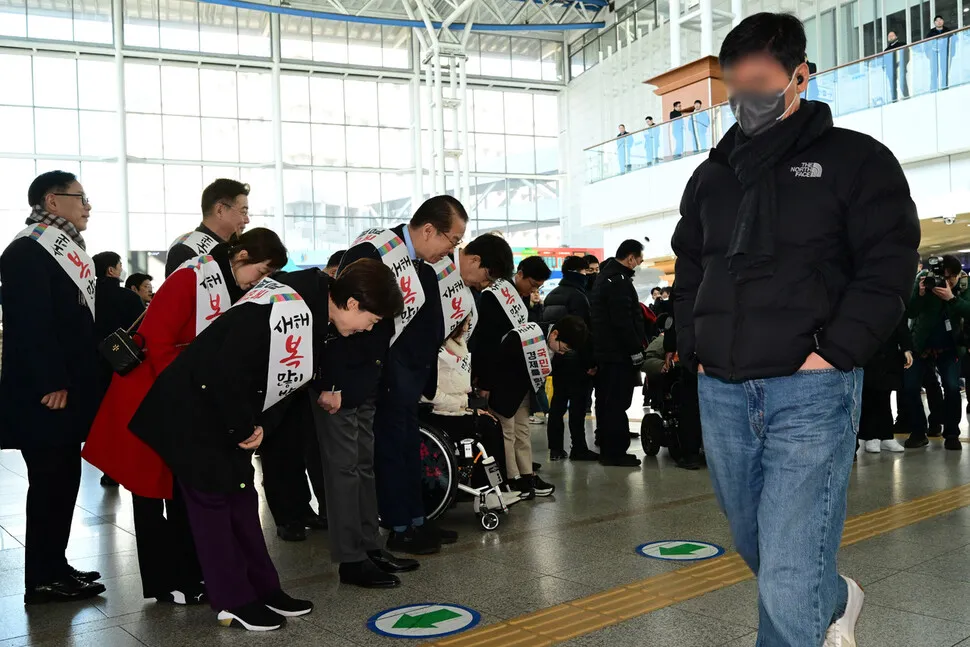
(656, 289)
(666, 290)
(952, 264)
(136, 279)
(628, 247)
(622, 125)
(574, 264)
(261, 244)
(938, 18)
(221, 189)
(590, 259)
(335, 258)
(780, 35)
(676, 103)
(494, 254)
(438, 212)
(698, 101)
(573, 331)
(103, 261)
(533, 267)
(372, 284)
(649, 117)
(46, 183)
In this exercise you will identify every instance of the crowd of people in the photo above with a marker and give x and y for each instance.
(694, 129)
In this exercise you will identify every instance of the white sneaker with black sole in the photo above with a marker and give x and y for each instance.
(286, 606)
(252, 617)
(841, 633)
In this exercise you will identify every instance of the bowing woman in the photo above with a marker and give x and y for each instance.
(188, 302)
(207, 413)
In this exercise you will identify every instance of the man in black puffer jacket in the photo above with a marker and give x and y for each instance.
(570, 372)
(618, 343)
(795, 251)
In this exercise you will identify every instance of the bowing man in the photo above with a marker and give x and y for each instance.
(230, 386)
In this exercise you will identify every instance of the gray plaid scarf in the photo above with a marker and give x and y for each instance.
(40, 217)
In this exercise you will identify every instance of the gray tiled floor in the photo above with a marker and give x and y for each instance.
(574, 544)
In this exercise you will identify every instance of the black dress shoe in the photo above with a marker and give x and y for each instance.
(413, 542)
(934, 431)
(583, 455)
(953, 443)
(68, 589)
(391, 563)
(916, 440)
(557, 455)
(314, 521)
(691, 462)
(291, 532)
(623, 460)
(367, 575)
(536, 467)
(84, 576)
(443, 535)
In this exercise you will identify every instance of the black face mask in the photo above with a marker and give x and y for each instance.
(756, 112)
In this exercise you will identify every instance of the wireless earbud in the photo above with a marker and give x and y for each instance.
(800, 79)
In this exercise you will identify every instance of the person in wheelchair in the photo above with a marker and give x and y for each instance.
(453, 410)
(674, 422)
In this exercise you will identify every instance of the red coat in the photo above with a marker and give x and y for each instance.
(168, 326)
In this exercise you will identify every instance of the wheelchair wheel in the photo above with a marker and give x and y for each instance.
(439, 471)
(490, 521)
(651, 434)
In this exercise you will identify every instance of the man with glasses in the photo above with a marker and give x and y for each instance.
(225, 211)
(49, 387)
(410, 365)
(939, 305)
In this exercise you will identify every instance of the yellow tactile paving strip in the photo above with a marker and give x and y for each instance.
(586, 615)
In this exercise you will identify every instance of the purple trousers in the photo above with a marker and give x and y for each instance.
(232, 552)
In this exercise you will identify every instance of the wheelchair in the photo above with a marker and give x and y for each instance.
(446, 469)
(661, 422)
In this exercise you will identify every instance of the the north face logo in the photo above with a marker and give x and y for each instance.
(807, 169)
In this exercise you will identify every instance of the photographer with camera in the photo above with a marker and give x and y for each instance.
(940, 303)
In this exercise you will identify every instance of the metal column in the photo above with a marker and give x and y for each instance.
(674, 34)
(118, 22)
(707, 28)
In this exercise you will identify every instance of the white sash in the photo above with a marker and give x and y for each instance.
(200, 243)
(211, 293)
(394, 254)
(457, 301)
(512, 304)
(464, 364)
(536, 353)
(69, 255)
(291, 338)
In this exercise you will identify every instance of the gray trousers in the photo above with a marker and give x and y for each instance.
(347, 450)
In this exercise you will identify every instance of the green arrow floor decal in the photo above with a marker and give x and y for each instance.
(682, 549)
(426, 620)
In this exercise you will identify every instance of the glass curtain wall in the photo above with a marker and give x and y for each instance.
(198, 94)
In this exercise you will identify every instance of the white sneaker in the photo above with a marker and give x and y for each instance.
(873, 446)
(892, 445)
(841, 633)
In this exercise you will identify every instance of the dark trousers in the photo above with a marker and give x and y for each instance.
(614, 395)
(948, 364)
(346, 441)
(287, 456)
(876, 419)
(54, 477)
(235, 563)
(689, 427)
(934, 395)
(166, 553)
(570, 390)
(397, 462)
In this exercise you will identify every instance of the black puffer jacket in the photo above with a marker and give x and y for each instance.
(618, 332)
(569, 298)
(845, 234)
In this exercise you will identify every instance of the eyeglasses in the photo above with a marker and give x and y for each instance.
(454, 243)
(84, 198)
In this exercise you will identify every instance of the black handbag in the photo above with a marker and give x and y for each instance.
(121, 349)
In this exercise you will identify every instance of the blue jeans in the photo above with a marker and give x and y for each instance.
(948, 363)
(780, 453)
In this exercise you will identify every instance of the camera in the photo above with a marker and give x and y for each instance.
(934, 273)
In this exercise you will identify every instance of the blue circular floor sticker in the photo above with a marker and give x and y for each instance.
(427, 620)
(680, 550)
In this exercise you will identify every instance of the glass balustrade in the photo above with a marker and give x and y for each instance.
(922, 68)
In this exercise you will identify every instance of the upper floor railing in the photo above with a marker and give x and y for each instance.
(888, 77)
